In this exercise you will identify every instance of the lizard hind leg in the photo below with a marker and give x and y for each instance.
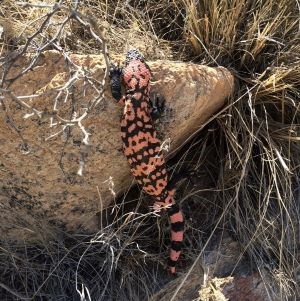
(157, 104)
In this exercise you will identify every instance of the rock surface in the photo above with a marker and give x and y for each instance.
(40, 185)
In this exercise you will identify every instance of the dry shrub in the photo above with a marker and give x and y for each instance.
(124, 27)
(259, 174)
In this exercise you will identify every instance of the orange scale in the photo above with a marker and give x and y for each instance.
(174, 255)
(131, 128)
(140, 124)
(137, 95)
(177, 217)
(128, 151)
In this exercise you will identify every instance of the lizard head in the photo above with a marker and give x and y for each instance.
(133, 54)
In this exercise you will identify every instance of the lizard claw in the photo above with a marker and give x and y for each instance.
(115, 70)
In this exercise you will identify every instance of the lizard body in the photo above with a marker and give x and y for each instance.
(141, 145)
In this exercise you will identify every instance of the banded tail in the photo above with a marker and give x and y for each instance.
(177, 230)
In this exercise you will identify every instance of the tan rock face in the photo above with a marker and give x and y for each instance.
(40, 185)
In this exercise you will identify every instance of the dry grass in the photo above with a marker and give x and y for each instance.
(249, 153)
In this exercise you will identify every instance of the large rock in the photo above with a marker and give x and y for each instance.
(40, 185)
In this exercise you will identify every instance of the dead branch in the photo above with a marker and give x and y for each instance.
(37, 43)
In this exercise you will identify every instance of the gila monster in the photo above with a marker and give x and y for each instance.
(141, 145)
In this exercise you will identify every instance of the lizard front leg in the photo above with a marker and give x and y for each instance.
(115, 74)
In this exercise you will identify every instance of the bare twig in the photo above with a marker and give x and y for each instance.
(40, 41)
